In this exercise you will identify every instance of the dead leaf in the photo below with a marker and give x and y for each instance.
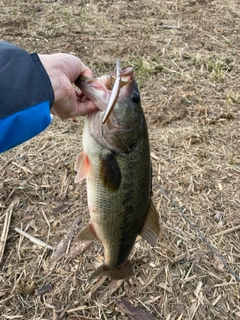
(61, 208)
(135, 313)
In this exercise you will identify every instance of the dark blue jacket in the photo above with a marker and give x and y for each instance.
(26, 96)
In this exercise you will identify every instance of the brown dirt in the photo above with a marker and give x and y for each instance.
(186, 60)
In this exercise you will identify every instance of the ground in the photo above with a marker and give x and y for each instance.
(185, 55)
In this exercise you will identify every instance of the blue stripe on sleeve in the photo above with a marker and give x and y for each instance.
(24, 125)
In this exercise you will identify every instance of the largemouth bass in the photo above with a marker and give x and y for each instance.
(116, 164)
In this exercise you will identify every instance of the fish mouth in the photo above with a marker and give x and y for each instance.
(118, 83)
(114, 94)
(121, 79)
(109, 80)
(105, 90)
(126, 78)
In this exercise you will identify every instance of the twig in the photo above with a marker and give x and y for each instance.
(163, 26)
(26, 170)
(230, 43)
(7, 162)
(110, 289)
(6, 227)
(80, 308)
(34, 239)
(226, 231)
(95, 287)
(216, 300)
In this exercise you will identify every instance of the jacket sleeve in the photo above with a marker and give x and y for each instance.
(26, 96)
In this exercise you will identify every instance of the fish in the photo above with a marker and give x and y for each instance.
(116, 164)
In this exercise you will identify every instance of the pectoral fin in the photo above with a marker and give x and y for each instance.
(81, 167)
(151, 228)
(110, 171)
(122, 272)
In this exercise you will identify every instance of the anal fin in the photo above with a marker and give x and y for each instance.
(87, 234)
(151, 228)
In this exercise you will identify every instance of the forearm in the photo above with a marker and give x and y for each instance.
(26, 96)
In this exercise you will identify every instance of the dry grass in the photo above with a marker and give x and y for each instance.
(189, 80)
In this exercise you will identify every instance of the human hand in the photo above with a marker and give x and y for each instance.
(63, 69)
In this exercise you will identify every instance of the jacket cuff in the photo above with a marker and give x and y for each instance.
(43, 74)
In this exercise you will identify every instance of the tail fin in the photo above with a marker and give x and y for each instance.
(122, 272)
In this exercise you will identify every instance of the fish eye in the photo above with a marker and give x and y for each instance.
(135, 97)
